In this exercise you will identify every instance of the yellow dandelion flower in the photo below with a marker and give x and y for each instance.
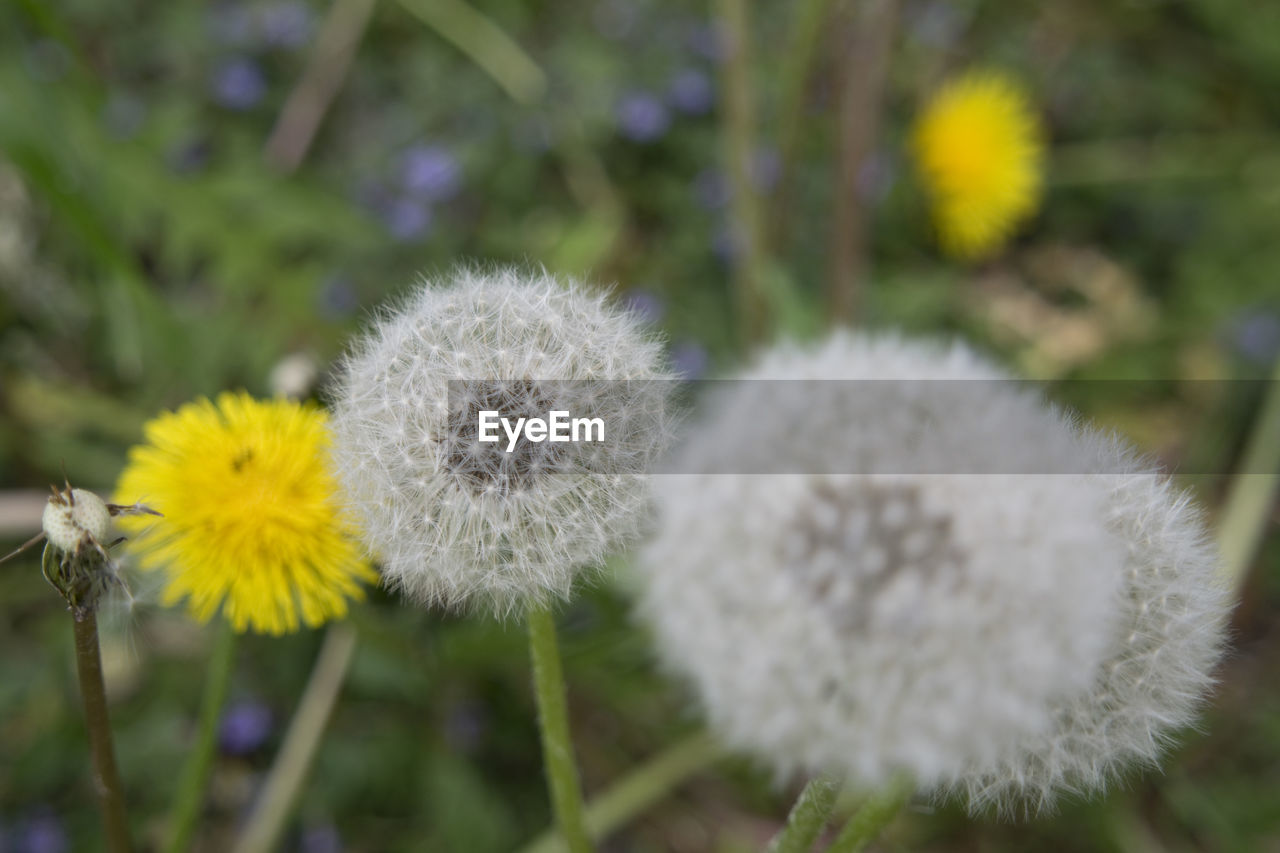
(250, 523)
(979, 147)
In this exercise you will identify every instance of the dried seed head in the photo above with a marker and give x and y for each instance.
(74, 518)
(76, 559)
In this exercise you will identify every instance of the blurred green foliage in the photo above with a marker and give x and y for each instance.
(149, 253)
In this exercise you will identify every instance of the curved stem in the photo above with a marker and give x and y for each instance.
(486, 44)
(280, 793)
(553, 721)
(874, 815)
(93, 693)
(639, 789)
(195, 773)
(807, 819)
(1253, 491)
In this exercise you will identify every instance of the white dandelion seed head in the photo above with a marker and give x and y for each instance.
(1169, 637)
(864, 624)
(68, 521)
(460, 524)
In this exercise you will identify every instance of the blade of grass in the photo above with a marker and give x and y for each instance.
(1253, 490)
(288, 772)
(195, 772)
(485, 43)
(640, 789)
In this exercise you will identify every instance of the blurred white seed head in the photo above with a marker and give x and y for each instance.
(460, 524)
(294, 376)
(1158, 669)
(938, 624)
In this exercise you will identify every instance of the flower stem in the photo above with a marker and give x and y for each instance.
(808, 817)
(749, 261)
(280, 793)
(868, 30)
(874, 815)
(1253, 491)
(639, 789)
(94, 695)
(553, 721)
(195, 773)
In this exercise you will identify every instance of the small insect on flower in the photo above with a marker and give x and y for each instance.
(76, 560)
(979, 148)
(252, 522)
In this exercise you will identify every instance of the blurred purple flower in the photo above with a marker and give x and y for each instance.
(876, 177)
(42, 832)
(534, 134)
(123, 114)
(286, 24)
(691, 92)
(726, 245)
(615, 19)
(190, 156)
(936, 23)
(47, 60)
(407, 219)
(711, 189)
(644, 305)
(320, 839)
(230, 24)
(689, 360)
(765, 169)
(244, 728)
(1255, 335)
(338, 297)
(708, 40)
(432, 172)
(642, 117)
(465, 725)
(238, 83)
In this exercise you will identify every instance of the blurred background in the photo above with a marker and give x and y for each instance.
(206, 196)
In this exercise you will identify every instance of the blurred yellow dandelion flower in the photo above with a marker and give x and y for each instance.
(251, 523)
(979, 146)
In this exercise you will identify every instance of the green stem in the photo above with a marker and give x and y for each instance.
(750, 261)
(807, 819)
(553, 721)
(284, 782)
(797, 64)
(195, 773)
(93, 693)
(1253, 491)
(874, 815)
(638, 790)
